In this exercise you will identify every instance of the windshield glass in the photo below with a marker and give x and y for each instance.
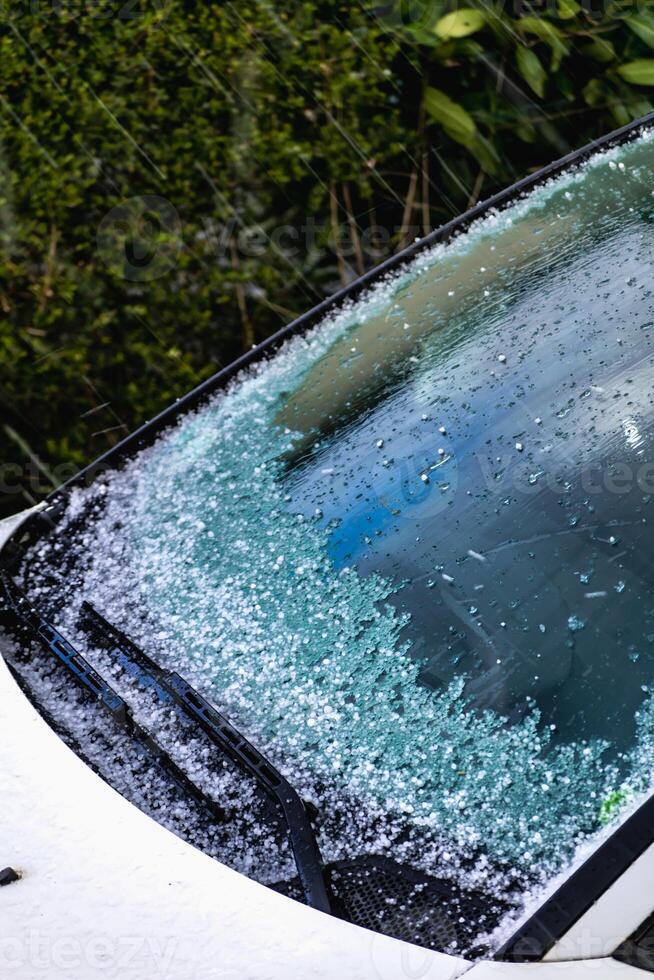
(410, 554)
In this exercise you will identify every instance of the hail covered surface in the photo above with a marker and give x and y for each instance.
(217, 553)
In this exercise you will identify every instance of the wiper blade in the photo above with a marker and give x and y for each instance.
(169, 687)
(28, 619)
(370, 891)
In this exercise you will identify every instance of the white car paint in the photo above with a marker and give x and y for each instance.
(9, 524)
(106, 892)
(614, 917)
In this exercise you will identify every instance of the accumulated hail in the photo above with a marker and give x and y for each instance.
(194, 549)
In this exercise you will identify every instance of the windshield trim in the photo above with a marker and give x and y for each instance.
(536, 936)
(146, 433)
(588, 882)
(170, 688)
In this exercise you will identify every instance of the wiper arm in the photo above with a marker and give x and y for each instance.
(26, 617)
(169, 687)
(371, 891)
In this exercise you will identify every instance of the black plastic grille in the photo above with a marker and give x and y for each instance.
(374, 892)
(398, 901)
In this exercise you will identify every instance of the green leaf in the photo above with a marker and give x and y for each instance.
(620, 113)
(599, 50)
(460, 23)
(640, 107)
(545, 31)
(567, 9)
(452, 117)
(613, 804)
(421, 35)
(457, 49)
(526, 132)
(640, 72)
(531, 70)
(485, 154)
(468, 49)
(643, 26)
(566, 86)
(593, 92)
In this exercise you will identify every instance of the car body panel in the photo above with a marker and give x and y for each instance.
(107, 892)
(614, 917)
(96, 870)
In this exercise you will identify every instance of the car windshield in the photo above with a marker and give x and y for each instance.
(409, 555)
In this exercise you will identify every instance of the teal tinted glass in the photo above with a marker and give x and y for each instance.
(410, 555)
(485, 440)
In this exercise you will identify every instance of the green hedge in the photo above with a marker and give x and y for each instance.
(252, 155)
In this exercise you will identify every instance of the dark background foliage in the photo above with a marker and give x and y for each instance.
(180, 178)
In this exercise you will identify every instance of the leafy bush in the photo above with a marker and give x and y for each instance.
(179, 179)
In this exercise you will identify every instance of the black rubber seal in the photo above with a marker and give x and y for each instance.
(146, 433)
(538, 934)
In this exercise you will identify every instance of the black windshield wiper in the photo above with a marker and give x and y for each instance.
(170, 687)
(369, 890)
(27, 618)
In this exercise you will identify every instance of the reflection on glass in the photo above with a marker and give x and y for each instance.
(412, 553)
